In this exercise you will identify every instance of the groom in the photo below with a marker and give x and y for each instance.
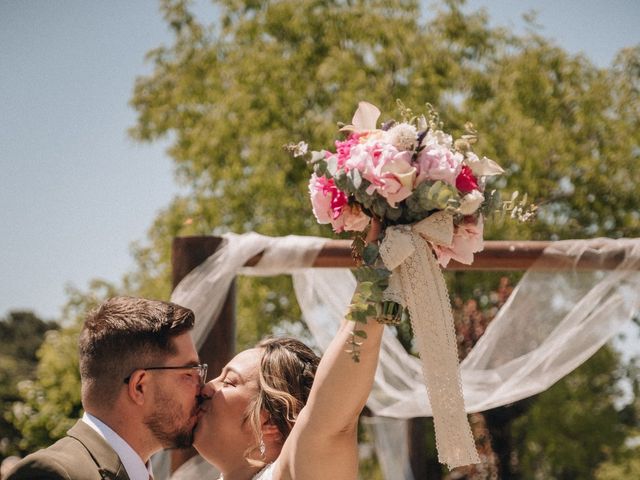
(141, 381)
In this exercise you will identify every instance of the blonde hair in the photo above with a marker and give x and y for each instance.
(285, 378)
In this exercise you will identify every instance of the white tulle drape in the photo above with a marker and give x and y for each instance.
(554, 320)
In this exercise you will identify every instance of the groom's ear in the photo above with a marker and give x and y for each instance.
(137, 386)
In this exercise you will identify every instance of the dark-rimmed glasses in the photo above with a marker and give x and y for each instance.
(201, 368)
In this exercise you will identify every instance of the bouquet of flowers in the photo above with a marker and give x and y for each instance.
(428, 193)
(402, 173)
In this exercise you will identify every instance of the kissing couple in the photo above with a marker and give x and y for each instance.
(275, 412)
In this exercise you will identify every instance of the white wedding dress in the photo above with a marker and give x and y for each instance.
(266, 473)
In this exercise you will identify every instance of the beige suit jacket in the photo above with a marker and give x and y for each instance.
(81, 455)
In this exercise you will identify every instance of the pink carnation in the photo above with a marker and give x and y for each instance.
(343, 149)
(466, 182)
(467, 240)
(437, 162)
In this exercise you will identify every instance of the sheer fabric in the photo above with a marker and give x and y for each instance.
(555, 319)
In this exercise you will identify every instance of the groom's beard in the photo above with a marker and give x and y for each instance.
(166, 424)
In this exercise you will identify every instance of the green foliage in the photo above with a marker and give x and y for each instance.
(21, 334)
(626, 465)
(232, 93)
(48, 403)
(568, 133)
(574, 426)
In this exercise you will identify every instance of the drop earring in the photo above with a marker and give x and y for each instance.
(263, 447)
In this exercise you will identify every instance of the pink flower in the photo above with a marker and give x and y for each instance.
(344, 148)
(364, 157)
(467, 240)
(352, 219)
(394, 176)
(437, 162)
(326, 199)
(330, 205)
(388, 170)
(466, 182)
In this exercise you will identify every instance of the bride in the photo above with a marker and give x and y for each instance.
(277, 412)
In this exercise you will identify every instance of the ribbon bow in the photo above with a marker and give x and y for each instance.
(417, 283)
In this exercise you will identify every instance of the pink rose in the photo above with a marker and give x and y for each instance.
(437, 162)
(393, 176)
(466, 182)
(467, 240)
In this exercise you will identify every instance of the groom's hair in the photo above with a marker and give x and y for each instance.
(122, 335)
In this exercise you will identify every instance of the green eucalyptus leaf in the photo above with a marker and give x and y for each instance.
(360, 333)
(356, 179)
(318, 156)
(332, 165)
(394, 214)
(370, 253)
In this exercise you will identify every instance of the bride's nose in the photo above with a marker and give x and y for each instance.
(208, 390)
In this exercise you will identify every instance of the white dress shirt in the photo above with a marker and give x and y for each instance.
(133, 464)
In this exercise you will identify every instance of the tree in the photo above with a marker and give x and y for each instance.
(229, 95)
(21, 333)
(574, 427)
(48, 402)
(231, 110)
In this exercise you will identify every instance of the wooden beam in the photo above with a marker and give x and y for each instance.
(498, 255)
(219, 346)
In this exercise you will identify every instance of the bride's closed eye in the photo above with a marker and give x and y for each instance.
(228, 383)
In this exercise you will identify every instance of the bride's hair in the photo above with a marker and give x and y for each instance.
(287, 370)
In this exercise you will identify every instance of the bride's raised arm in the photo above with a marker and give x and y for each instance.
(323, 442)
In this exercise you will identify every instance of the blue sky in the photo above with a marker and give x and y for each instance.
(75, 192)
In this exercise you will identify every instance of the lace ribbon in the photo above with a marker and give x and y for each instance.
(417, 283)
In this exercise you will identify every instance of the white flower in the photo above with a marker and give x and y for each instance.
(471, 202)
(438, 137)
(402, 136)
(300, 149)
(482, 168)
(364, 120)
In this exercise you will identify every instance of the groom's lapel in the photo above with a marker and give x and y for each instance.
(107, 461)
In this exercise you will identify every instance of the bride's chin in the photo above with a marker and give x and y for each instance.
(201, 449)
(197, 438)
(204, 453)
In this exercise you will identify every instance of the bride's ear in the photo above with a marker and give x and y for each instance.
(269, 429)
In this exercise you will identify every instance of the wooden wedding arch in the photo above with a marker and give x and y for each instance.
(218, 348)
